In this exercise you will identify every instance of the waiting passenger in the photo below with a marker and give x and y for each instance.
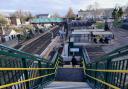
(101, 40)
(106, 40)
(92, 36)
(74, 61)
(95, 40)
(106, 27)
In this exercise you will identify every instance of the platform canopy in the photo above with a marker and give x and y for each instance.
(102, 33)
(46, 20)
(80, 33)
(89, 30)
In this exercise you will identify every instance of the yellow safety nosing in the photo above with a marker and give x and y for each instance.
(117, 71)
(15, 83)
(105, 83)
(8, 69)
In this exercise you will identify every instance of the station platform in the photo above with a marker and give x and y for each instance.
(11, 43)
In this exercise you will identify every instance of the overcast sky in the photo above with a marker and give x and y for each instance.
(50, 6)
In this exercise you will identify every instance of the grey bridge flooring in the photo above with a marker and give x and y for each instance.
(68, 85)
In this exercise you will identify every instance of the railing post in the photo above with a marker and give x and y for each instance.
(39, 66)
(25, 72)
(40, 71)
(106, 74)
(95, 73)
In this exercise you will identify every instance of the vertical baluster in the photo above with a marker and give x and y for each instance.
(121, 74)
(125, 75)
(25, 71)
(95, 73)
(114, 75)
(108, 66)
(118, 74)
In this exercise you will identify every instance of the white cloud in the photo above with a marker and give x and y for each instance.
(61, 6)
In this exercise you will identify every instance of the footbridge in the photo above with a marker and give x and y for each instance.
(21, 70)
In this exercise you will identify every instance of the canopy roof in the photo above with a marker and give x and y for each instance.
(46, 20)
(102, 33)
(89, 30)
(75, 33)
(94, 33)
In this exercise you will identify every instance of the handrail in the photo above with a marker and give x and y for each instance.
(8, 69)
(101, 81)
(109, 69)
(7, 50)
(24, 67)
(85, 54)
(105, 83)
(23, 81)
(118, 51)
(27, 80)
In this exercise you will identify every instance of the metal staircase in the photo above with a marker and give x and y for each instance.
(70, 74)
(20, 70)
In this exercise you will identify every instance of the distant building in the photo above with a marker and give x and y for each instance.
(15, 21)
(99, 13)
(43, 16)
(8, 20)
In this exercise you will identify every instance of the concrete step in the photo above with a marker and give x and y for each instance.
(68, 85)
(70, 74)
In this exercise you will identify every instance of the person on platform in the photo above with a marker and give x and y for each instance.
(106, 27)
(74, 61)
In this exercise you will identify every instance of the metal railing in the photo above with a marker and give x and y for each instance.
(110, 71)
(20, 70)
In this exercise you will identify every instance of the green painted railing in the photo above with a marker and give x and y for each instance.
(110, 71)
(20, 70)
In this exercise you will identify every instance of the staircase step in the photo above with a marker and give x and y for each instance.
(70, 74)
(68, 85)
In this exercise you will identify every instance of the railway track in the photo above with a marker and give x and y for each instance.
(39, 45)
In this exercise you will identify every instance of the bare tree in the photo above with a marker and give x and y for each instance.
(23, 15)
(70, 13)
(96, 9)
(126, 11)
(55, 15)
(3, 20)
(90, 7)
